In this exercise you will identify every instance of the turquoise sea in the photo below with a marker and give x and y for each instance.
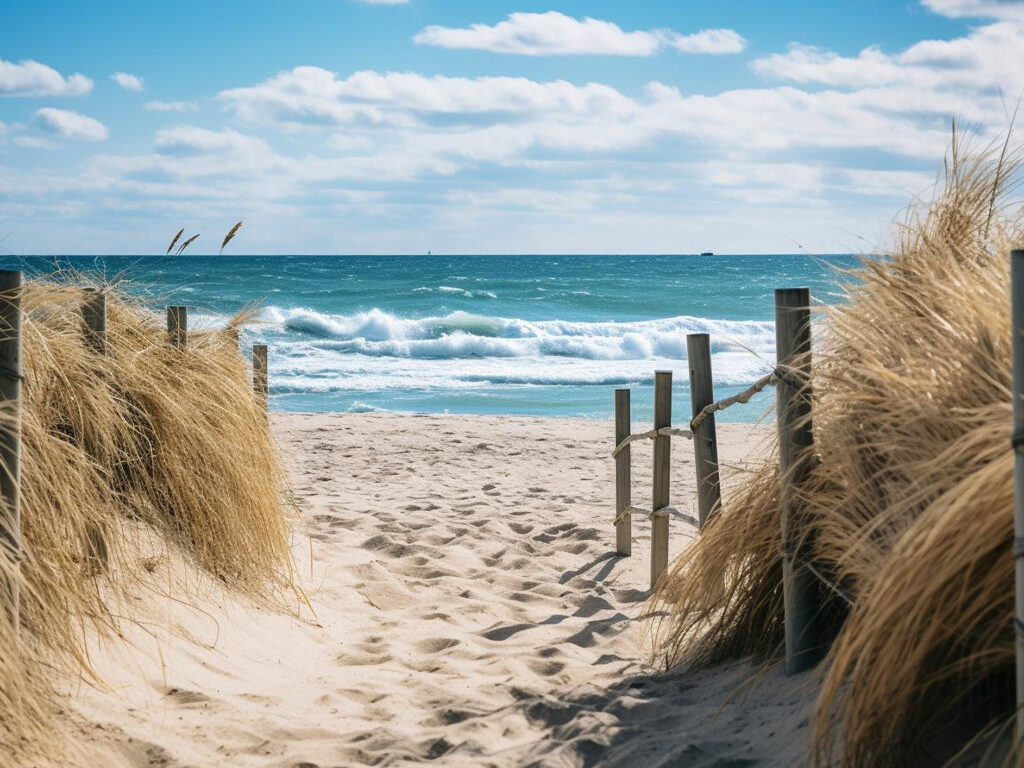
(537, 335)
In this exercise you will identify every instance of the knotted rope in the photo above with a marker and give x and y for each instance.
(663, 432)
(743, 397)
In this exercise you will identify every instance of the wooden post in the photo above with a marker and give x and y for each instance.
(801, 590)
(177, 326)
(1017, 327)
(623, 492)
(10, 430)
(662, 470)
(259, 372)
(94, 318)
(705, 440)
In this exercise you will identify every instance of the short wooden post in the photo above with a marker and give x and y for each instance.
(623, 492)
(705, 440)
(10, 430)
(94, 318)
(1017, 327)
(259, 372)
(801, 591)
(177, 326)
(662, 470)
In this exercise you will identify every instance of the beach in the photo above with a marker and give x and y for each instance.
(465, 608)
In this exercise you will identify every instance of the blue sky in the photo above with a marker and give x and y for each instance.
(340, 126)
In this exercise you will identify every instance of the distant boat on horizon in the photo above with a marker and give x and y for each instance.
(707, 253)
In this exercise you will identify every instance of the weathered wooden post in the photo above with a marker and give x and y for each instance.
(10, 431)
(259, 372)
(177, 326)
(94, 318)
(623, 492)
(801, 591)
(705, 440)
(1017, 328)
(662, 469)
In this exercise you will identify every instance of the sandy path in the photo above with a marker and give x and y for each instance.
(469, 613)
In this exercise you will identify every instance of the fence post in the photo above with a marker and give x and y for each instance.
(662, 469)
(10, 429)
(623, 491)
(259, 372)
(1017, 327)
(801, 591)
(705, 440)
(177, 326)
(94, 317)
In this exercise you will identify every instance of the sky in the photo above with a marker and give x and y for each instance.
(491, 126)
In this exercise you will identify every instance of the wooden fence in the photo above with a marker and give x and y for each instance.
(792, 377)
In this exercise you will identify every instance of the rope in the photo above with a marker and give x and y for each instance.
(658, 513)
(663, 432)
(743, 397)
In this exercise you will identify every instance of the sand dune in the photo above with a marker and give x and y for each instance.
(469, 612)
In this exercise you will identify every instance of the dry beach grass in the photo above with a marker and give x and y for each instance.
(909, 499)
(145, 438)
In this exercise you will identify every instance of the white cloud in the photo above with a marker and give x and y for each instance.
(35, 142)
(714, 41)
(30, 78)
(315, 96)
(965, 77)
(496, 118)
(71, 125)
(978, 9)
(553, 33)
(128, 82)
(191, 140)
(171, 106)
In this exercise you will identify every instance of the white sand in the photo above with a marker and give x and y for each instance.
(469, 612)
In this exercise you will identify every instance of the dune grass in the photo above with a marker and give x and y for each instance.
(146, 437)
(909, 499)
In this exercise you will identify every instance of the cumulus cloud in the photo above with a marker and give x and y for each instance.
(979, 9)
(71, 125)
(964, 75)
(128, 82)
(192, 140)
(171, 106)
(554, 33)
(30, 78)
(35, 142)
(500, 117)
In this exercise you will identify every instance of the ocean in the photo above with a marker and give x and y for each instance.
(530, 335)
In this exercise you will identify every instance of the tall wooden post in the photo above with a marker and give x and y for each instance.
(10, 431)
(177, 326)
(259, 372)
(94, 318)
(801, 591)
(662, 469)
(623, 491)
(705, 440)
(1017, 328)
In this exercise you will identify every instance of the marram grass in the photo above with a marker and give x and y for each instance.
(910, 498)
(145, 437)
